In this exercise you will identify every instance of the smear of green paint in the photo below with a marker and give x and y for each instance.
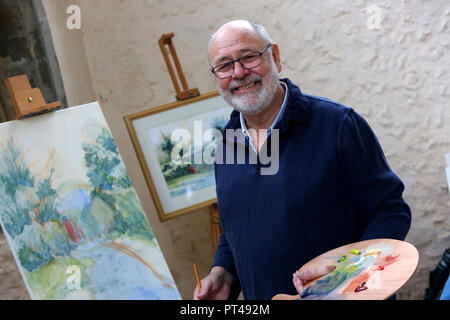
(335, 279)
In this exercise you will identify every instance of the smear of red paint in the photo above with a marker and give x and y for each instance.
(356, 282)
(390, 259)
(71, 231)
(82, 233)
(361, 287)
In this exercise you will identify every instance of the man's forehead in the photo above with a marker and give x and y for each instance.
(234, 31)
(237, 24)
(234, 38)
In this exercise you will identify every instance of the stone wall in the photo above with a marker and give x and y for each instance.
(389, 60)
(26, 47)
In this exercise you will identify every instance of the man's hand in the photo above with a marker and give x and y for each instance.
(299, 278)
(215, 286)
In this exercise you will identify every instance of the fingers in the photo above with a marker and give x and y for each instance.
(300, 277)
(200, 294)
(216, 285)
(196, 293)
(298, 284)
(310, 274)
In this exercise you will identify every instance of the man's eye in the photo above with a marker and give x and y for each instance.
(224, 67)
(249, 58)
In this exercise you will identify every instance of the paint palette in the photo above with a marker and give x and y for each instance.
(366, 270)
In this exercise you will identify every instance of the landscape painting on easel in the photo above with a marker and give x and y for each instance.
(71, 215)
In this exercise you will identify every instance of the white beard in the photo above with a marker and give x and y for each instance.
(253, 103)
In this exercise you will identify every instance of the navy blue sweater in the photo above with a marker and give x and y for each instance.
(333, 187)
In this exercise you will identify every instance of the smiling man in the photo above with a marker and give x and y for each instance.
(333, 186)
(249, 86)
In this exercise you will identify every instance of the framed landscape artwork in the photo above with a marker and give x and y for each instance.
(175, 145)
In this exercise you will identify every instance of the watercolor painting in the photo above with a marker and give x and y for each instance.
(356, 271)
(175, 144)
(71, 215)
(186, 175)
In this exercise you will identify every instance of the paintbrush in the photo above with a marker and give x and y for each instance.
(198, 279)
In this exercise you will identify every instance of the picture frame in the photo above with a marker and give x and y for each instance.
(175, 145)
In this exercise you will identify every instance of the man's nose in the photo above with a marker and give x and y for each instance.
(239, 71)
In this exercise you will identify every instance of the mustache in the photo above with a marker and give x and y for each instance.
(235, 83)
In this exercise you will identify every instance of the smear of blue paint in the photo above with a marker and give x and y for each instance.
(116, 275)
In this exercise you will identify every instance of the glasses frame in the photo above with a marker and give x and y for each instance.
(213, 69)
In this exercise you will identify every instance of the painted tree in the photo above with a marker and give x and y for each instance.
(15, 178)
(47, 196)
(24, 198)
(112, 184)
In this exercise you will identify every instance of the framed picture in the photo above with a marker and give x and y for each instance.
(175, 144)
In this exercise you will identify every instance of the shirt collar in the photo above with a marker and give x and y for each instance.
(297, 109)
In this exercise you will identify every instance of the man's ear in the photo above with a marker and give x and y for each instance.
(276, 56)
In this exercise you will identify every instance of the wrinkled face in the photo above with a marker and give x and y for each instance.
(248, 91)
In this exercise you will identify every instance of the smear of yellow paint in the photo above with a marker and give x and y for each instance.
(370, 253)
(50, 160)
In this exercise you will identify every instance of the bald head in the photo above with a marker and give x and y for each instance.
(232, 29)
(252, 85)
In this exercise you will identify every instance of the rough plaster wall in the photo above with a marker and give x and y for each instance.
(71, 55)
(396, 76)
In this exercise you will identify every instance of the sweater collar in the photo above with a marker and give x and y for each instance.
(297, 109)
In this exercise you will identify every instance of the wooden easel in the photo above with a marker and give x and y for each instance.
(215, 225)
(28, 101)
(186, 93)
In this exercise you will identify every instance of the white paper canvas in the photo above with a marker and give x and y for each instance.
(71, 214)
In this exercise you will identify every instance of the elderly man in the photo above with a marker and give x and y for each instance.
(333, 185)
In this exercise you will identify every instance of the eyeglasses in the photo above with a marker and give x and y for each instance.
(248, 61)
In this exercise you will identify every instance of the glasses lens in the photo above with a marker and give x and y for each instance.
(224, 70)
(251, 60)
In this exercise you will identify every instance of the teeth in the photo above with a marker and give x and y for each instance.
(247, 86)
